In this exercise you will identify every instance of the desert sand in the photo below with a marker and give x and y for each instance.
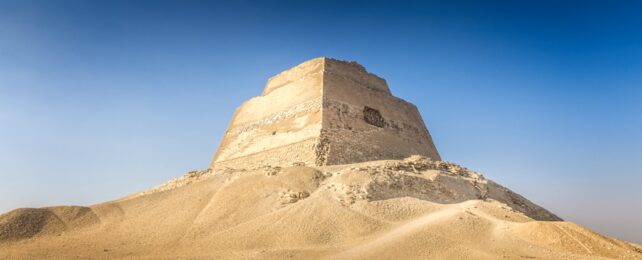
(300, 174)
(393, 209)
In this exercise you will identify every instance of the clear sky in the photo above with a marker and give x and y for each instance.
(100, 99)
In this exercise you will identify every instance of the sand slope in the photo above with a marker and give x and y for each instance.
(410, 209)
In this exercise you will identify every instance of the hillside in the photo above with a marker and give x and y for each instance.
(405, 209)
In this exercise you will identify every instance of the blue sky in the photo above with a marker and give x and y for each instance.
(99, 99)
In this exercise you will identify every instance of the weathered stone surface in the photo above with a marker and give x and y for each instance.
(323, 112)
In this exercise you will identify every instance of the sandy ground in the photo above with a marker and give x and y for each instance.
(410, 209)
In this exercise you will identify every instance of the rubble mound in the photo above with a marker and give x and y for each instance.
(29, 222)
(434, 181)
(415, 208)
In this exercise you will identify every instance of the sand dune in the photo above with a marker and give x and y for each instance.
(410, 209)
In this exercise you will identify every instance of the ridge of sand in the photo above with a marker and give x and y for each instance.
(406, 209)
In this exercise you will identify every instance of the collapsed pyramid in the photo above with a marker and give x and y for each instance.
(323, 112)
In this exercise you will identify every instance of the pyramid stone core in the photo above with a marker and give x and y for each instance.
(323, 112)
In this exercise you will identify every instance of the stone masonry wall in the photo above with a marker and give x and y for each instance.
(323, 112)
(351, 139)
(286, 155)
(286, 115)
(363, 123)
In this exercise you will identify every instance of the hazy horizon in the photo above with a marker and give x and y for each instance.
(99, 100)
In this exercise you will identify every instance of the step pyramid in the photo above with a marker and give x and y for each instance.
(323, 112)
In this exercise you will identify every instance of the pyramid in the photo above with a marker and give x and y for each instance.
(323, 112)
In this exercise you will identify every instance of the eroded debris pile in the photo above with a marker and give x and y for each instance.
(418, 164)
(189, 177)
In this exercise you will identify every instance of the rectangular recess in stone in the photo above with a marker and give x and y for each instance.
(373, 117)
